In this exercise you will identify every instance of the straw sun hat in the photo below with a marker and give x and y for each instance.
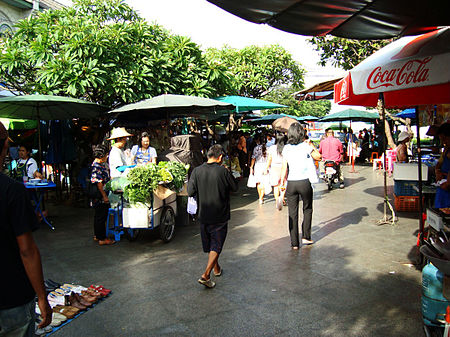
(119, 133)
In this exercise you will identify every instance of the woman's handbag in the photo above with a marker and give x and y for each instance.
(251, 182)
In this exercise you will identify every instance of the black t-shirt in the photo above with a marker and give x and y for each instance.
(16, 218)
(211, 184)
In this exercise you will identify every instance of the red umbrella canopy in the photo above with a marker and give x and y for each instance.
(410, 71)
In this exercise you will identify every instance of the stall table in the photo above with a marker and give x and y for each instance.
(38, 196)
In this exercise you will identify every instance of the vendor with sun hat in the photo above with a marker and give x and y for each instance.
(117, 156)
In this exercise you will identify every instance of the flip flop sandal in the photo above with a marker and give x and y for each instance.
(101, 289)
(207, 283)
(219, 273)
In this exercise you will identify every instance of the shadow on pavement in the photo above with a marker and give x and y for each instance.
(343, 220)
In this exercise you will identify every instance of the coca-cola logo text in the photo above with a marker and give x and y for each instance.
(413, 71)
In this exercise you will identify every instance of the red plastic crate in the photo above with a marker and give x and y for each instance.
(405, 203)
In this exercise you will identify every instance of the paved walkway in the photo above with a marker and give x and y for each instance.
(355, 281)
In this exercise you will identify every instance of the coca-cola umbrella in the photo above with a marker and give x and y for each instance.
(411, 71)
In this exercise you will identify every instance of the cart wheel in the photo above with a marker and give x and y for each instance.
(132, 234)
(167, 224)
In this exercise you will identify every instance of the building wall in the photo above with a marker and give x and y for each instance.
(9, 15)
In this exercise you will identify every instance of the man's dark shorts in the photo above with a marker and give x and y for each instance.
(213, 236)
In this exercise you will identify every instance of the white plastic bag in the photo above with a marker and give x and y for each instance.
(251, 182)
(192, 206)
(312, 172)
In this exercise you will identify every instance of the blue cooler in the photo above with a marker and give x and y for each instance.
(434, 304)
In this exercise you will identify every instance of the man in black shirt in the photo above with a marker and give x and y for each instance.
(20, 261)
(211, 184)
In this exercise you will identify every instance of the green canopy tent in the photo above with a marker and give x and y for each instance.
(244, 104)
(170, 106)
(351, 115)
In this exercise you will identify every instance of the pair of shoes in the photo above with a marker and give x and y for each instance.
(57, 319)
(66, 310)
(307, 242)
(207, 283)
(42, 331)
(219, 273)
(71, 300)
(341, 185)
(106, 242)
(100, 289)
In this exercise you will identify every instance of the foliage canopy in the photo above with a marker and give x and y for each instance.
(344, 53)
(101, 50)
(285, 96)
(256, 71)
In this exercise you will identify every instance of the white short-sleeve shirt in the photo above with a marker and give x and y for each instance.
(277, 159)
(116, 158)
(296, 156)
(32, 166)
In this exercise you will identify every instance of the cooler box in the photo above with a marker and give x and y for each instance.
(409, 171)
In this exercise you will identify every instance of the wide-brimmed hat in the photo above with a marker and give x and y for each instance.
(403, 135)
(119, 133)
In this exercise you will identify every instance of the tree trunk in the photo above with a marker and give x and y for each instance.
(387, 127)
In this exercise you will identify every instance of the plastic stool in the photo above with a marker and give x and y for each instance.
(378, 163)
(373, 156)
(116, 230)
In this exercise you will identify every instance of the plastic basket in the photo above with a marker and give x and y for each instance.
(405, 188)
(406, 203)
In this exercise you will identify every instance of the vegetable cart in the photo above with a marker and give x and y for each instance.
(146, 199)
(129, 221)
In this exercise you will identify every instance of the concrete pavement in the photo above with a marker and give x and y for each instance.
(355, 281)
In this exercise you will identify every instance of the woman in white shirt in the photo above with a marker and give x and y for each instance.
(297, 157)
(117, 156)
(274, 164)
(27, 166)
(258, 166)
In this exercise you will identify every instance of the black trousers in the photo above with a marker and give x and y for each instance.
(100, 216)
(295, 190)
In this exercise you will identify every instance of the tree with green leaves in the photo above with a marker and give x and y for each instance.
(344, 53)
(257, 71)
(102, 51)
(285, 96)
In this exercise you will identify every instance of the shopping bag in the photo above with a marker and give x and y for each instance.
(311, 170)
(192, 206)
(251, 182)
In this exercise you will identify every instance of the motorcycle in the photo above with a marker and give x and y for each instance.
(331, 174)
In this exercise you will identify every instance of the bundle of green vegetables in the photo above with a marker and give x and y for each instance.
(141, 181)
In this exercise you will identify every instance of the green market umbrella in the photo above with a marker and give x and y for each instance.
(307, 118)
(48, 107)
(170, 106)
(244, 104)
(351, 115)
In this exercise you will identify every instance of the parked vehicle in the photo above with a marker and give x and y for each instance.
(331, 174)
